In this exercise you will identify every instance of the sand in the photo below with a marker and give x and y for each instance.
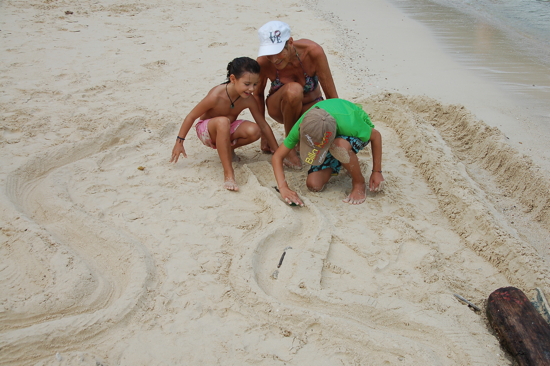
(103, 263)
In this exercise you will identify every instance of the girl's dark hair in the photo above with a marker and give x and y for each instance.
(240, 65)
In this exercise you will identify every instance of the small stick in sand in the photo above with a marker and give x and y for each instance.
(283, 257)
(467, 302)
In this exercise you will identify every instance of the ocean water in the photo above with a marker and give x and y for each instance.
(505, 41)
(525, 22)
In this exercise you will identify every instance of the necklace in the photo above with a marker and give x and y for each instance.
(232, 101)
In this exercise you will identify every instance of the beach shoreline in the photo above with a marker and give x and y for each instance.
(455, 59)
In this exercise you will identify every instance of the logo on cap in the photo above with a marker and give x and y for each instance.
(312, 155)
(275, 36)
(326, 136)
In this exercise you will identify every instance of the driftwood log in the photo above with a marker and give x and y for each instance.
(521, 329)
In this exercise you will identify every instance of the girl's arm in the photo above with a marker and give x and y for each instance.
(267, 132)
(288, 195)
(376, 178)
(322, 68)
(204, 105)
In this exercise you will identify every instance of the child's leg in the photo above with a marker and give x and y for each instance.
(358, 187)
(319, 175)
(219, 130)
(246, 133)
(316, 180)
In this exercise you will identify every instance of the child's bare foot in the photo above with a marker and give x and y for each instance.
(357, 195)
(230, 185)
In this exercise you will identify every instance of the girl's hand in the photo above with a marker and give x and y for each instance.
(291, 197)
(176, 151)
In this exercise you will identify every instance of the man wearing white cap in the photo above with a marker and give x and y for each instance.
(330, 134)
(297, 71)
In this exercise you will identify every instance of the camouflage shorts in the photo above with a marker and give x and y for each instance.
(331, 162)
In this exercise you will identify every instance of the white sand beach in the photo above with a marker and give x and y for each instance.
(102, 263)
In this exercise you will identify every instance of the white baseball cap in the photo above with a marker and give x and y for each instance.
(273, 36)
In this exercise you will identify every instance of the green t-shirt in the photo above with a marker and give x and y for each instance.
(351, 120)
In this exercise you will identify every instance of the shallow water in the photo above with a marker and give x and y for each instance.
(506, 42)
(525, 23)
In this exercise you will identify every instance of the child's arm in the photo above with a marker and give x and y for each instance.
(288, 195)
(376, 178)
(267, 132)
(204, 105)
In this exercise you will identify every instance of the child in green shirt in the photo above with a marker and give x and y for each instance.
(331, 133)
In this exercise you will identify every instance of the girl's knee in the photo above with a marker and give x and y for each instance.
(251, 131)
(254, 132)
(220, 123)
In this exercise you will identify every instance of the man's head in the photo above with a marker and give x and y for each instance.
(317, 132)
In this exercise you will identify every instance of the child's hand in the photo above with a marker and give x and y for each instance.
(291, 197)
(376, 182)
(176, 151)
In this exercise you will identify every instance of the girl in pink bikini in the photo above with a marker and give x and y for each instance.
(218, 126)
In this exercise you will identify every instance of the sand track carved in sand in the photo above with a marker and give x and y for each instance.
(320, 297)
(346, 285)
(111, 295)
(475, 142)
(300, 301)
(467, 207)
(435, 138)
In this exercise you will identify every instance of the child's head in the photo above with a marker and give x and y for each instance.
(317, 132)
(241, 65)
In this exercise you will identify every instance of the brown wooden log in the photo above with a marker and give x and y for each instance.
(521, 330)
